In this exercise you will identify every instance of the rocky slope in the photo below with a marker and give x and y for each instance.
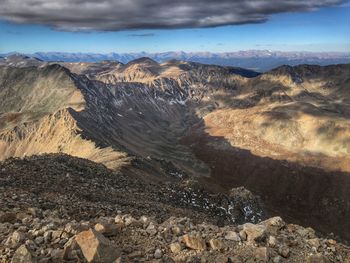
(284, 134)
(57, 208)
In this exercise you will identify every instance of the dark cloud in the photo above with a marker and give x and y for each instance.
(142, 35)
(113, 15)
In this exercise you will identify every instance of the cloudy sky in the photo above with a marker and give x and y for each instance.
(161, 25)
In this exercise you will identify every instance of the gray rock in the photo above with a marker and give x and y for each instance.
(232, 235)
(158, 253)
(39, 240)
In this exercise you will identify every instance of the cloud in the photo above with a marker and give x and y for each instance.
(142, 35)
(114, 15)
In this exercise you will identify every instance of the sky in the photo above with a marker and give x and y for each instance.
(245, 25)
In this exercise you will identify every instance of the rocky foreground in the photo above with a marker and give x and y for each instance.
(42, 236)
(56, 208)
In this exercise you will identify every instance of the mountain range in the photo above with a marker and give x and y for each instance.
(258, 60)
(284, 134)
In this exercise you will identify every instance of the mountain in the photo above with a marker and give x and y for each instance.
(258, 60)
(19, 60)
(284, 134)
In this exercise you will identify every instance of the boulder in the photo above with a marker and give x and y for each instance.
(254, 232)
(194, 242)
(95, 247)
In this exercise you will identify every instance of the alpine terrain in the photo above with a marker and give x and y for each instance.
(173, 162)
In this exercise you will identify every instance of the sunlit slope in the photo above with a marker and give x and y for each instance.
(36, 115)
(296, 113)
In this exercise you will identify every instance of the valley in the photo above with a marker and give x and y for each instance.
(283, 134)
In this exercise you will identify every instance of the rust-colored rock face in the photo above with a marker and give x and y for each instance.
(95, 247)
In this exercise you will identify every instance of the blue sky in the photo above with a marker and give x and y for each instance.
(327, 29)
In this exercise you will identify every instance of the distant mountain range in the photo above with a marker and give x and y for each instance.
(259, 60)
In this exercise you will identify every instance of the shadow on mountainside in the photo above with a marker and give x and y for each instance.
(305, 195)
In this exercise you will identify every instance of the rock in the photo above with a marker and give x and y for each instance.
(35, 212)
(57, 253)
(176, 230)
(22, 255)
(158, 254)
(194, 242)
(56, 234)
(261, 254)
(129, 220)
(107, 229)
(175, 247)
(20, 216)
(70, 249)
(151, 229)
(144, 220)
(314, 242)
(95, 247)
(215, 244)
(284, 251)
(39, 240)
(254, 232)
(306, 232)
(135, 254)
(318, 258)
(232, 235)
(16, 239)
(277, 259)
(119, 219)
(276, 222)
(243, 235)
(30, 244)
(8, 217)
(272, 241)
(331, 242)
(47, 236)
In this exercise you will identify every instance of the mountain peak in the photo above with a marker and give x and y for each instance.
(144, 61)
